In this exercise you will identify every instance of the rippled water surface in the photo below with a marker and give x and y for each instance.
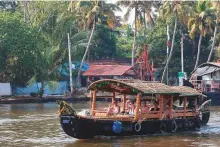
(38, 125)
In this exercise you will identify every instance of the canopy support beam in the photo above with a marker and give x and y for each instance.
(138, 102)
(93, 102)
(185, 100)
(161, 106)
(124, 101)
(171, 107)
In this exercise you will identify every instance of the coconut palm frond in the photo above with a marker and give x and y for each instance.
(81, 41)
(79, 36)
(127, 14)
(53, 85)
(32, 80)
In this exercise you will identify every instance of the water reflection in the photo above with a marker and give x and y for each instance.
(38, 125)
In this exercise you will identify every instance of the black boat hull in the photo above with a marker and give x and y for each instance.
(85, 128)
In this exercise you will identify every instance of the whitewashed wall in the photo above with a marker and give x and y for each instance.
(5, 89)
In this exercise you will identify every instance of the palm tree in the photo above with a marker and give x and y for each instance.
(95, 10)
(216, 6)
(46, 64)
(146, 8)
(201, 21)
(180, 11)
(133, 4)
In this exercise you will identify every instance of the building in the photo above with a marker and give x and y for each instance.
(206, 77)
(98, 72)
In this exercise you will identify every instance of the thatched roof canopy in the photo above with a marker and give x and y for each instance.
(186, 91)
(133, 87)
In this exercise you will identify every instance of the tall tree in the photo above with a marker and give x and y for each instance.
(216, 6)
(176, 10)
(97, 11)
(201, 21)
(132, 5)
(18, 45)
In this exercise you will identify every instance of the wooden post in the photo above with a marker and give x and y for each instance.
(196, 106)
(91, 99)
(124, 102)
(161, 106)
(93, 102)
(113, 97)
(171, 107)
(138, 102)
(185, 100)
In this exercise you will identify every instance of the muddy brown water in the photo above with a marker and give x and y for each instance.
(38, 125)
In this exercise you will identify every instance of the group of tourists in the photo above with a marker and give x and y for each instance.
(145, 107)
(130, 107)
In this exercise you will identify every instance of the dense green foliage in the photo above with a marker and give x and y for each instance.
(18, 45)
(33, 35)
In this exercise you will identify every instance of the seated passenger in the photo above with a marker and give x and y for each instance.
(168, 113)
(144, 107)
(114, 108)
(127, 103)
(131, 107)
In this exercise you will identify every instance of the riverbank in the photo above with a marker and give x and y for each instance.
(45, 99)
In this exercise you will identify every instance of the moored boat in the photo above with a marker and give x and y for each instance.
(156, 108)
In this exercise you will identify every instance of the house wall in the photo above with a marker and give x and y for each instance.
(216, 75)
(5, 89)
(34, 88)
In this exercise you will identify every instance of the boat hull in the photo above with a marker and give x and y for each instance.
(86, 128)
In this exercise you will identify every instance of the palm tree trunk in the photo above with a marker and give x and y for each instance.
(145, 28)
(86, 51)
(42, 89)
(135, 34)
(198, 53)
(171, 50)
(213, 45)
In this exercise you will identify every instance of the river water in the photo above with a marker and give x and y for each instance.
(38, 125)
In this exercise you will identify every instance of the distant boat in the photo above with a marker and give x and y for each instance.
(170, 109)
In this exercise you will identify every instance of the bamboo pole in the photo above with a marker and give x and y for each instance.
(93, 102)
(184, 114)
(138, 102)
(70, 64)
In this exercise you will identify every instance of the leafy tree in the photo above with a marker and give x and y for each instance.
(174, 10)
(8, 6)
(124, 41)
(96, 11)
(46, 64)
(18, 45)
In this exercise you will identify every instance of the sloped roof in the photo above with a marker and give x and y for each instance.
(206, 68)
(186, 91)
(134, 87)
(107, 70)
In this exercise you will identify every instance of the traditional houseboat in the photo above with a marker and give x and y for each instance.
(145, 108)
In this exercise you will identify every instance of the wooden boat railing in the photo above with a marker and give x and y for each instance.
(142, 116)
